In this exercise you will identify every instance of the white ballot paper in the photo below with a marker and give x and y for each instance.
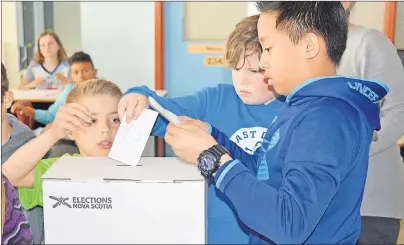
(131, 139)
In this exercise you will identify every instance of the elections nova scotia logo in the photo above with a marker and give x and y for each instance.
(249, 139)
(82, 202)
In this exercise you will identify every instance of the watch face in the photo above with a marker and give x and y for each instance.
(207, 162)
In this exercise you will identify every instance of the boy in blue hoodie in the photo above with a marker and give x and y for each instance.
(248, 104)
(305, 183)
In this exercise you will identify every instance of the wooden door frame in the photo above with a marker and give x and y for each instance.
(159, 60)
(390, 11)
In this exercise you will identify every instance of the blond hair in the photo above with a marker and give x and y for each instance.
(242, 42)
(93, 87)
(62, 55)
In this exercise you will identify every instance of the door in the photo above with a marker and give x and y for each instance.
(33, 19)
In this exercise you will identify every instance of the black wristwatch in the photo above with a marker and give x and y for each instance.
(208, 160)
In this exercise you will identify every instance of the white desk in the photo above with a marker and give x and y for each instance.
(34, 95)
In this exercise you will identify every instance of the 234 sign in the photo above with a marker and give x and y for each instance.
(214, 61)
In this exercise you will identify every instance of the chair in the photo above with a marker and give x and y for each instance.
(27, 120)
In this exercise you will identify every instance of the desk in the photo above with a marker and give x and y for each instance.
(36, 95)
(400, 142)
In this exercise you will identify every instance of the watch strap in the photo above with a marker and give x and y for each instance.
(218, 151)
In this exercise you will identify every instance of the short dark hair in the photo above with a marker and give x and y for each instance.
(80, 57)
(326, 19)
(4, 81)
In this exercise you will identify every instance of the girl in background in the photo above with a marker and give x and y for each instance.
(49, 68)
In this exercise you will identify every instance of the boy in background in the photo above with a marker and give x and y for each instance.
(81, 68)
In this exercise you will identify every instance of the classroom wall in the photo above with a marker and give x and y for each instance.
(9, 41)
(120, 38)
(399, 33)
(66, 23)
(369, 14)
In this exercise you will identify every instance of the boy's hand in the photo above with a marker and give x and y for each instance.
(188, 139)
(132, 105)
(70, 118)
(18, 107)
(61, 78)
(198, 123)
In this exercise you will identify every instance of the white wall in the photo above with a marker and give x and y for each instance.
(66, 23)
(119, 36)
(369, 14)
(251, 9)
(9, 41)
(399, 34)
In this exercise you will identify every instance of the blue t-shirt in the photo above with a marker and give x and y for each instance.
(245, 125)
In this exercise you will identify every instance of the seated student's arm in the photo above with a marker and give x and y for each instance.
(194, 106)
(47, 116)
(31, 195)
(28, 80)
(19, 167)
(64, 75)
(25, 84)
(316, 162)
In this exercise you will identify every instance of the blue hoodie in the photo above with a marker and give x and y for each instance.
(305, 184)
(244, 124)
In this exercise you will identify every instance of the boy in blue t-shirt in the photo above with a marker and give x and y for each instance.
(81, 68)
(246, 107)
(305, 184)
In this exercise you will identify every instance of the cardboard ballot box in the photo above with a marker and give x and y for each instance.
(101, 201)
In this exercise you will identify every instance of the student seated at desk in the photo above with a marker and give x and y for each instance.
(49, 69)
(89, 117)
(81, 69)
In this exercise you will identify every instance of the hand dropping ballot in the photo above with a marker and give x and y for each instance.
(131, 138)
